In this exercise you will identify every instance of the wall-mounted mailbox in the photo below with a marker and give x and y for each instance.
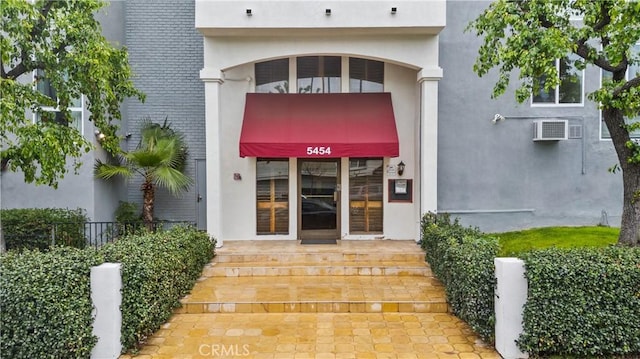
(400, 190)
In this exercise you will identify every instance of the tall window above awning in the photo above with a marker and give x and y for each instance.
(319, 126)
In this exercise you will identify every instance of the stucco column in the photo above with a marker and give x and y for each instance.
(428, 80)
(212, 81)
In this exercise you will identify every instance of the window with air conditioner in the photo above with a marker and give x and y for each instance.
(550, 130)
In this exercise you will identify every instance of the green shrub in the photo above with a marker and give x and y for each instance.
(129, 218)
(582, 303)
(127, 212)
(157, 270)
(46, 303)
(462, 258)
(31, 228)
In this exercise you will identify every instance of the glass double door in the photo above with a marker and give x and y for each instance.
(319, 198)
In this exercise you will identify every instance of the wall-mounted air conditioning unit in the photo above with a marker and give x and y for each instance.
(550, 130)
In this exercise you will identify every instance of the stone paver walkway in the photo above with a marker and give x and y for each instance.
(389, 306)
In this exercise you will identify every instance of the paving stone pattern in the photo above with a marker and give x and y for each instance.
(279, 299)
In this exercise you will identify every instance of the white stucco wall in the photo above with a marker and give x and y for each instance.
(406, 42)
(399, 217)
(230, 17)
(238, 197)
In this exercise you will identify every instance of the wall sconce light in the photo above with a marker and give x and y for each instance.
(128, 135)
(249, 12)
(99, 135)
(497, 118)
(401, 167)
(394, 10)
(327, 12)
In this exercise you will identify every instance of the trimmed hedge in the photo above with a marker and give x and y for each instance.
(46, 303)
(46, 296)
(157, 270)
(462, 259)
(582, 303)
(30, 228)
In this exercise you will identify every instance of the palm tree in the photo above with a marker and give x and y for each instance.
(159, 158)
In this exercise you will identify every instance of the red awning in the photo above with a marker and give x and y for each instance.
(319, 125)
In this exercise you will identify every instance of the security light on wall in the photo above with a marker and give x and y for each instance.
(497, 118)
(249, 12)
(327, 12)
(394, 10)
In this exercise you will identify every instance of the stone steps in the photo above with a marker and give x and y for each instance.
(262, 269)
(286, 277)
(322, 294)
(319, 257)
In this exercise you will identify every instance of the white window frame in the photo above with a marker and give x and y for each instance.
(80, 109)
(557, 93)
(602, 124)
(363, 82)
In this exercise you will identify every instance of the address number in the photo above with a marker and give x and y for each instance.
(321, 151)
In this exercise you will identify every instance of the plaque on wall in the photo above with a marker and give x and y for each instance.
(400, 190)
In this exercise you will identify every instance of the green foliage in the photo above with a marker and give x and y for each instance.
(127, 212)
(513, 244)
(46, 303)
(128, 217)
(45, 296)
(528, 36)
(582, 303)
(157, 270)
(64, 42)
(462, 258)
(159, 159)
(32, 227)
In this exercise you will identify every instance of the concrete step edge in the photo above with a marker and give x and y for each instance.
(316, 258)
(436, 306)
(314, 270)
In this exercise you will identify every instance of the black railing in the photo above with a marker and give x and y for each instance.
(97, 234)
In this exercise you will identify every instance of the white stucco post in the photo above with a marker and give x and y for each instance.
(106, 284)
(428, 79)
(212, 81)
(511, 296)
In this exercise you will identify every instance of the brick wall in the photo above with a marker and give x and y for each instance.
(166, 54)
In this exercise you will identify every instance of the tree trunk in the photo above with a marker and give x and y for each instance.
(148, 190)
(630, 224)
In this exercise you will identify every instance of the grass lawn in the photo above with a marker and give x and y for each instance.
(513, 243)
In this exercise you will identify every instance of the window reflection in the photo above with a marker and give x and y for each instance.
(318, 186)
(570, 89)
(51, 114)
(319, 74)
(272, 195)
(365, 195)
(272, 76)
(365, 75)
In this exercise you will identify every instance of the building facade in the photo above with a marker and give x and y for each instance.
(350, 120)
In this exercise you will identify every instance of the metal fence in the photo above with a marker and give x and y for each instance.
(97, 234)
